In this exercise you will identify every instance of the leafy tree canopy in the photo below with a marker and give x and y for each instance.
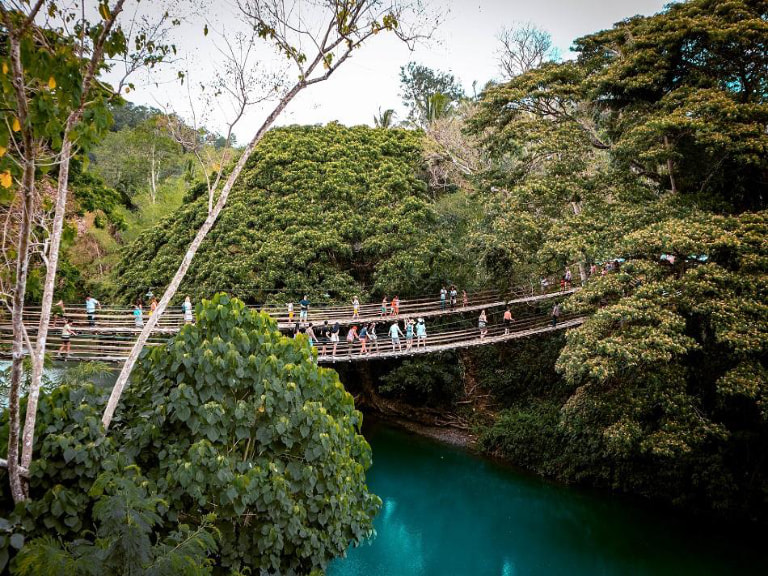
(231, 431)
(428, 93)
(651, 142)
(322, 210)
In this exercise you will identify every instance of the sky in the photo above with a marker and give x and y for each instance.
(465, 44)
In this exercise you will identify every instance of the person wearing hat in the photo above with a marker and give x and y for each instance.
(421, 333)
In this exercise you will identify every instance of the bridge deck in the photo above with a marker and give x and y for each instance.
(121, 320)
(115, 348)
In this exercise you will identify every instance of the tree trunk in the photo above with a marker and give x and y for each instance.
(22, 269)
(670, 167)
(45, 313)
(576, 207)
(170, 292)
(152, 176)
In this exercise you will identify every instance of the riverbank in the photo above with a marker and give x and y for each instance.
(444, 434)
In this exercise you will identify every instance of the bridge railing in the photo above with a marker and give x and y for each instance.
(115, 318)
(115, 347)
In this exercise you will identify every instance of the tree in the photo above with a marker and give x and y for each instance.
(384, 119)
(523, 48)
(51, 100)
(337, 32)
(427, 93)
(643, 152)
(231, 430)
(348, 202)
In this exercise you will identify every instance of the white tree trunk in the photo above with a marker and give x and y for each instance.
(153, 176)
(33, 393)
(170, 291)
(22, 270)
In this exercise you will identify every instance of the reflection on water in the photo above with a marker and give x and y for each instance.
(447, 512)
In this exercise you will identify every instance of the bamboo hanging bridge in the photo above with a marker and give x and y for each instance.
(112, 336)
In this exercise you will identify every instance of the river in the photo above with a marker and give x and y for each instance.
(450, 512)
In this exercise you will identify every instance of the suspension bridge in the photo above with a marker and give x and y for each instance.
(115, 329)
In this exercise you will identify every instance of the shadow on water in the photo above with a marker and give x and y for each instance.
(450, 512)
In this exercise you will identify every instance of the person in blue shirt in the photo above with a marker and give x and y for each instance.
(408, 334)
(138, 316)
(421, 333)
(304, 312)
(90, 309)
(395, 333)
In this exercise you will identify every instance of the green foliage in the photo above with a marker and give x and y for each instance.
(318, 210)
(435, 379)
(229, 418)
(651, 142)
(239, 419)
(128, 160)
(92, 195)
(126, 516)
(428, 94)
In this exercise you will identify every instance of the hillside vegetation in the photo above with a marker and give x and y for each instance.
(328, 211)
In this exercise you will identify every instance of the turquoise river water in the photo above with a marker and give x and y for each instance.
(449, 512)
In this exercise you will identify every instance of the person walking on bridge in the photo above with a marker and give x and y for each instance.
(90, 309)
(384, 305)
(335, 338)
(138, 316)
(507, 320)
(355, 309)
(372, 337)
(482, 324)
(311, 336)
(290, 312)
(363, 337)
(395, 333)
(454, 296)
(187, 308)
(325, 332)
(555, 314)
(304, 311)
(395, 308)
(443, 294)
(568, 278)
(66, 335)
(464, 298)
(351, 337)
(421, 334)
(408, 334)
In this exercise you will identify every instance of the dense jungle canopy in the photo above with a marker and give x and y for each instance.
(327, 211)
(651, 142)
(641, 164)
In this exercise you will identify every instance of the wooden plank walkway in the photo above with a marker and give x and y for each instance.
(112, 338)
(121, 321)
(92, 348)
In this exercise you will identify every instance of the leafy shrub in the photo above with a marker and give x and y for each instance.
(229, 417)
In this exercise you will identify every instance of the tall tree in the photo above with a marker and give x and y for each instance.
(428, 93)
(54, 105)
(385, 119)
(523, 47)
(334, 31)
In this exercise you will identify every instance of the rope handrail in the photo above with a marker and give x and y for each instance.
(123, 319)
(96, 348)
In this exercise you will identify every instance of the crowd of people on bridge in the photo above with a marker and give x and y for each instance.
(388, 308)
(361, 336)
(363, 339)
